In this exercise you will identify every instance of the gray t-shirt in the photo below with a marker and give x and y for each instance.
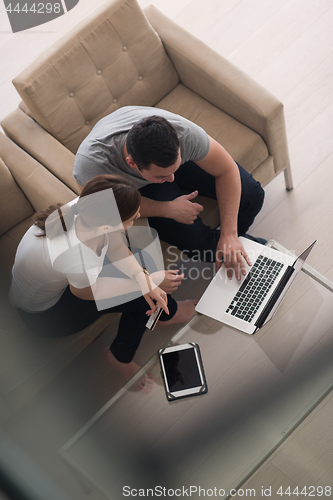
(101, 152)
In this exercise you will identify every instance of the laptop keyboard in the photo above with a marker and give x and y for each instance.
(254, 288)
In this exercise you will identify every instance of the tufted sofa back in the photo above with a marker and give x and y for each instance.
(112, 59)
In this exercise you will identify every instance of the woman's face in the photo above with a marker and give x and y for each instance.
(129, 222)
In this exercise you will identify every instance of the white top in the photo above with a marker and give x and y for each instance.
(43, 268)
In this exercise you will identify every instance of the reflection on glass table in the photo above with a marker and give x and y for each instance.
(260, 388)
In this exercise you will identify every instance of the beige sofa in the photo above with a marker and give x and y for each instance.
(122, 56)
(118, 56)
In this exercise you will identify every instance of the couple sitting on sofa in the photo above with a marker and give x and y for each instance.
(135, 161)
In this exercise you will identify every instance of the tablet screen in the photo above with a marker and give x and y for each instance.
(181, 370)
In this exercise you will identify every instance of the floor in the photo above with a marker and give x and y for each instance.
(287, 47)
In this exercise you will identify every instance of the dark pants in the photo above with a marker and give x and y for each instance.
(71, 315)
(197, 239)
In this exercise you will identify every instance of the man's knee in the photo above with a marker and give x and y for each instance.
(199, 242)
(259, 197)
(253, 197)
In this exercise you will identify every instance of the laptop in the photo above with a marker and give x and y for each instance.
(250, 303)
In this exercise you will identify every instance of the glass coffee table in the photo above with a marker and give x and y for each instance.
(260, 388)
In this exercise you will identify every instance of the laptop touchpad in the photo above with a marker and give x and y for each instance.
(225, 283)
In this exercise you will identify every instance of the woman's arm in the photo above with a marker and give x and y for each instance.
(121, 256)
(105, 288)
(123, 259)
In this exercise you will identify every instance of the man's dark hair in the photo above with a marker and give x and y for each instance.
(153, 140)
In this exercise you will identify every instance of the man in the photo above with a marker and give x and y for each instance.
(164, 154)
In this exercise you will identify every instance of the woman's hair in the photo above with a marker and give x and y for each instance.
(104, 200)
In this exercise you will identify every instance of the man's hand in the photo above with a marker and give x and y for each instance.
(231, 249)
(169, 281)
(183, 210)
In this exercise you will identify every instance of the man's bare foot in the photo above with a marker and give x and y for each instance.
(185, 311)
(128, 370)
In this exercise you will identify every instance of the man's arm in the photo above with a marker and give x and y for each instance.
(152, 208)
(219, 163)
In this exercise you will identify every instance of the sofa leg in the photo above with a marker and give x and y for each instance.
(288, 178)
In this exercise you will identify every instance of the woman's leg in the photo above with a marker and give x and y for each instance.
(71, 315)
(68, 316)
(185, 311)
(132, 326)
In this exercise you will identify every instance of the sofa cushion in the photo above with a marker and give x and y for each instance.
(24, 131)
(112, 59)
(14, 206)
(245, 146)
(39, 185)
(8, 245)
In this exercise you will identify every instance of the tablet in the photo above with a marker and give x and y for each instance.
(182, 371)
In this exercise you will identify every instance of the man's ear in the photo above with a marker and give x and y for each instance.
(131, 162)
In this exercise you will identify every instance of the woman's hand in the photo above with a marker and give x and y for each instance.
(161, 299)
(152, 293)
(169, 281)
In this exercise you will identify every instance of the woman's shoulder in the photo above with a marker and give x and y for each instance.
(31, 250)
(33, 236)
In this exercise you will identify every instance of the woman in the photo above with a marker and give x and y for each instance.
(57, 281)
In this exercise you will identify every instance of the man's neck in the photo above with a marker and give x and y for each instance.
(125, 152)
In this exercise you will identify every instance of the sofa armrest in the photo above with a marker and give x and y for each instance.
(38, 184)
(214, 78)
(42, 146)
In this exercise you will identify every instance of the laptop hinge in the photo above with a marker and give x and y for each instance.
(274, 298)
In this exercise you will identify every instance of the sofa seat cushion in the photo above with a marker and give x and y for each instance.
(245, 146)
